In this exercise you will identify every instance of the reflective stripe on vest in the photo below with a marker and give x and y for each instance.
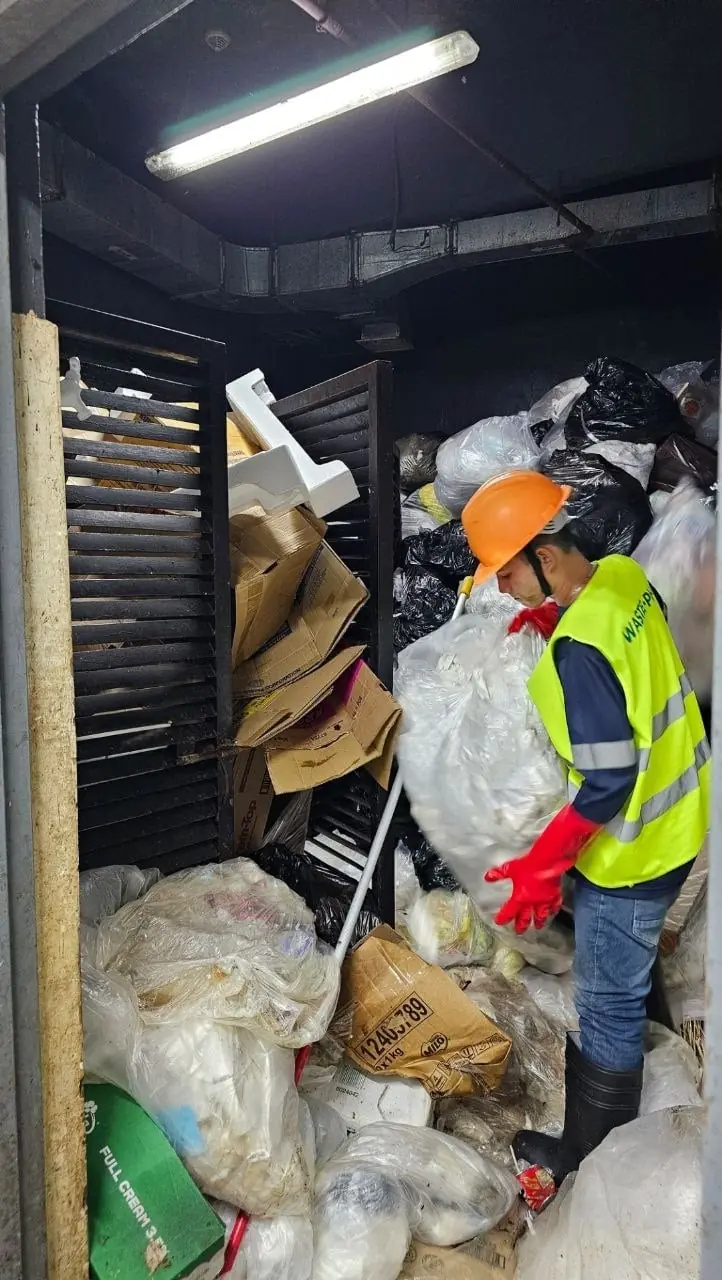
(664, 822)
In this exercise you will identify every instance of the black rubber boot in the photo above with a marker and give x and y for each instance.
(597, 1101)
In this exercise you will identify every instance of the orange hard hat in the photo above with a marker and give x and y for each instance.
(506, 513)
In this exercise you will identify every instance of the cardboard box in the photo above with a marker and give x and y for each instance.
(252, 800)
(408, 1018)
(326, 603)
(145, 1213)
(263, 718)
(496, 1262)
(356, 723)
(269, 557)
(360, 1099)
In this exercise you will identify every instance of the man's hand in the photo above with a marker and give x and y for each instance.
(542, 619)
(536, 877)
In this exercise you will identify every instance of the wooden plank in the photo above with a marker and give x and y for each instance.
(53, 783)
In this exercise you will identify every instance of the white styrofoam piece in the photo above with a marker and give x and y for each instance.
(325, 486)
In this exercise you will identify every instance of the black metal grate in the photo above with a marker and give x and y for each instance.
(349, 418)
(148, 546)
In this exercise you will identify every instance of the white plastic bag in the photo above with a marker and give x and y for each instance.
(103, 891)
(406, 882)
(636, 459)
(554, 995)
(482, 776)
(446, 929)
(272, 1248)
(483, 450)
(632, 1213)
(556, 405)
(225, 942)
(678, 555)
(672, 1072)
(685, 969)
(390, 1181)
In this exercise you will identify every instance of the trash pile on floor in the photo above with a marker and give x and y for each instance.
(262, 1108)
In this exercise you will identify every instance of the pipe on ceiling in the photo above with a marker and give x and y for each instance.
(333, 27)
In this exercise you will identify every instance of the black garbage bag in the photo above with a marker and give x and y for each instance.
(431, 871)
(424, 602)
(324, 891)
(609, 510)
(417, 460)
(445, 550)
(622, 402)
(678, 458)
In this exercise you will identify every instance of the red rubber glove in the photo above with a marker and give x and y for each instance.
(537, 876)
(542, 619)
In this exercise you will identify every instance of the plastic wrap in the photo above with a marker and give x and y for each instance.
(556, 405)
(423, 601)
(538, 1044)
(327, 893)
(678, 555)
(622, 402)
(105, 890)
(696, 388)
(225, 1099)
(483, 450)
(391, 1181)
(554, 995)
(406, 881)
(608, 509)
(487, 601)
(417, 460)
(480, 772)
(415, 518)
(329, 1127)
(672, 1072)
(272, 1249)
(685, 969)
(227, 942)
(679, 459)
(444, 550)
(446, 929)
(636, 459)
(632, 1213)
(431, 871)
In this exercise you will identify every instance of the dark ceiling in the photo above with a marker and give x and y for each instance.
(584, 94)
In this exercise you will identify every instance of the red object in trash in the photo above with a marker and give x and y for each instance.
(537, 1187)
(240, 1226)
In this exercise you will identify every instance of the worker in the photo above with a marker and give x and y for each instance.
(613, 695)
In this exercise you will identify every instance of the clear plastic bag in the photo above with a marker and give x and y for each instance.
(483, 450)
(556, 405)
(679, 557)
(272, 1248)
(685, 969)
(554, 995)
(406, 883)
(636, 459)
(226, 942)
(480, 772)
(632, 1213)
(446, 929)
(417, 460)
(105, 890)
(390, 1181)
(672, 1072)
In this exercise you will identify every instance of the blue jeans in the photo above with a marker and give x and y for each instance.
(616, 945)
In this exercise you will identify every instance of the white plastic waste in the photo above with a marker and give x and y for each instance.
(554, 995)
(632, 1213)
(556, 405)
(482, 776)
(446, 929)
(225, 942)
(272, 1248)
(490, 446)
(390, 1181)
(678, 554)
(406, 882)
(685, 969)
(104, 890)
(672, 1072)
(636, 459)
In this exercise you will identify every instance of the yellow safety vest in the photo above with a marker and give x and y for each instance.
(665, 820)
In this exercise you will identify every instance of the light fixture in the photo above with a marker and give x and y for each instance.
(392, 75)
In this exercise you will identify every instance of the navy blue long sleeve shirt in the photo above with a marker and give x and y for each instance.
(596, 713)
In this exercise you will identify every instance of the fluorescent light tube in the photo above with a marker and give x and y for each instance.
(382, 79)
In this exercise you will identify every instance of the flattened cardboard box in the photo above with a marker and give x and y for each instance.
(350, 728)
(408, 1018)
(327, 601)
(269, 557)
(252, 800)
(497, 1262)
(263, 718)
